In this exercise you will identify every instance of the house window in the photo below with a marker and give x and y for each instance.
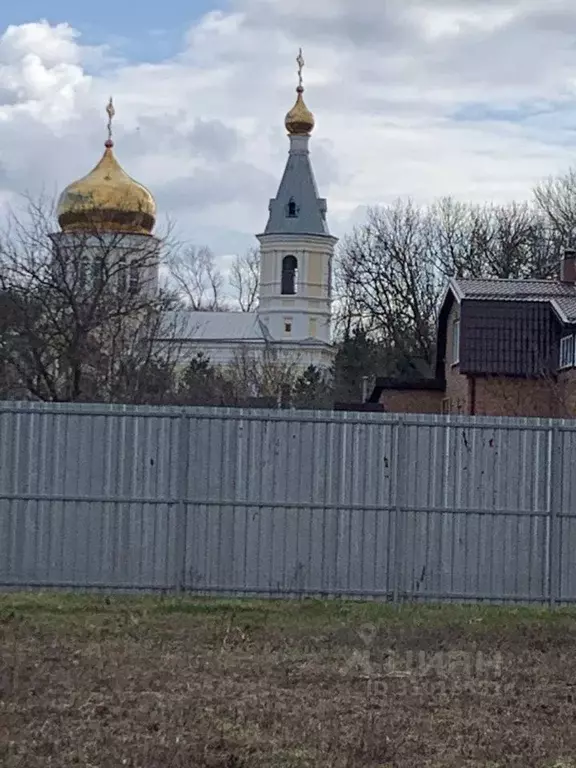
(291, 209)
(289, 275)
(455, 342)
(287, 326)
(566, 352)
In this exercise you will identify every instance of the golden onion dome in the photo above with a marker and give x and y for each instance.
(299, 121)
(107, 198)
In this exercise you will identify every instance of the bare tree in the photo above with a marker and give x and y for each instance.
(80, 311)
(504, 241)
(245, 279)
(556, 198)
(197, 278)
(260, 374)
(392, 269)
(138, 362)
(391, 288)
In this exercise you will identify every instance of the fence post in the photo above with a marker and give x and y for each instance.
(399, 500)
(555, 521)
(182, 493)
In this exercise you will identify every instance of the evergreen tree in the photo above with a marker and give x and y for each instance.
(198, 383)
(312, 389)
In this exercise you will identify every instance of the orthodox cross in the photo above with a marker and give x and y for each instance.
(111, 112)
(300, 62)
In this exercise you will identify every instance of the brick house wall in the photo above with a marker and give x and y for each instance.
(489, 396)
(566, 394)
(412, 400)
(513, 396)
(457, 393)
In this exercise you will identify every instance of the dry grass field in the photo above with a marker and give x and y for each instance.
(103, 682)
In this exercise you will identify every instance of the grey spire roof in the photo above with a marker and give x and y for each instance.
(297, 209)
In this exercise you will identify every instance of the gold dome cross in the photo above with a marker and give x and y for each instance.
(300, 61)
(111, 112)
(299, 121)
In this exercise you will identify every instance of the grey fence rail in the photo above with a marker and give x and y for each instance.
(227, 501)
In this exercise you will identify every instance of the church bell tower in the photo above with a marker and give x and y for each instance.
(296, 249)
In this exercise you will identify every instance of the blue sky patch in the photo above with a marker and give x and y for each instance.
(480, 112)
(139, 31)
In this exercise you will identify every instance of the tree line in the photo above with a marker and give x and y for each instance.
(393, 268)
(78, 323)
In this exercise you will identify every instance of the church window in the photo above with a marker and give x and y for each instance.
(292, 209)
(289, 275)
(287, 326)
(134, 277)
(121, 269)
(97, 272)
(83, 270)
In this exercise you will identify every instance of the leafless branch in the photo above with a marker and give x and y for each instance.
(79, 310)
(244, 279)
(392, 269)
(197, 278)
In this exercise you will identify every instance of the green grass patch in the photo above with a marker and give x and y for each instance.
(287, 612)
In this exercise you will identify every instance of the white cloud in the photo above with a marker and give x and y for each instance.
(405, 95)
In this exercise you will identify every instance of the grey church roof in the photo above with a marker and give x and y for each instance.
(298, 186)
(217, 326)
(222, 327)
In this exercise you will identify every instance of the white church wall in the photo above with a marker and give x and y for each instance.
(222, 354)
(141, 250)
(306, 313)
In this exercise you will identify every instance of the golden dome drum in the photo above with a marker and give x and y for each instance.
(107, 198)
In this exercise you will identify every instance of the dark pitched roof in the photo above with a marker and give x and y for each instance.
(562, 296)
(368, 406)
(382, 383)
(565, 307)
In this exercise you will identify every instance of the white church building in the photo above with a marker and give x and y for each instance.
(296, 252)
(293, 319)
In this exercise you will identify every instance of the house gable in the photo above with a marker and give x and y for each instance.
(508, 338)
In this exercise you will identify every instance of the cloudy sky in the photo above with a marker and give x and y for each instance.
(474, 98)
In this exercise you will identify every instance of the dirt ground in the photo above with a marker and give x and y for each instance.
(147, 683)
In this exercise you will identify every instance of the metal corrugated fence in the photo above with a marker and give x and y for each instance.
(229, 501)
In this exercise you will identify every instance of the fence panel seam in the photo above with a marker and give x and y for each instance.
(400, 470)
(554, 532)
(181, 532)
